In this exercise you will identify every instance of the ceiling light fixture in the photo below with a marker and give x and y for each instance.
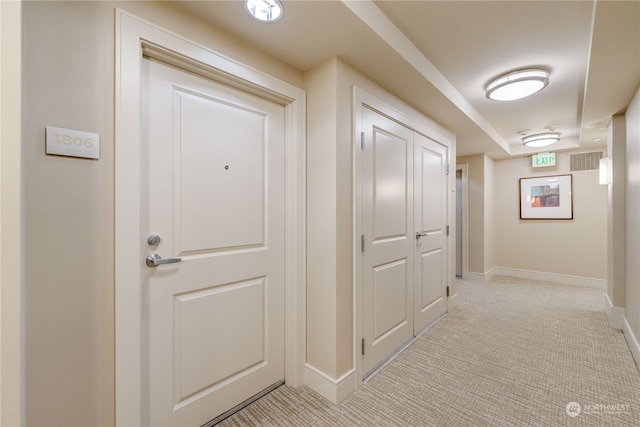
(517, 84)
(264, 10)
(541, 139)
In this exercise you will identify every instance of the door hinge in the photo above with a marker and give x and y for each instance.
(362, 243)
(446, 168)
(447, 230)
(447, 291)
(362, 140)
(363, 346)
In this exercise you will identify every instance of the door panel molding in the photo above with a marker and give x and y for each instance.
(133, 36)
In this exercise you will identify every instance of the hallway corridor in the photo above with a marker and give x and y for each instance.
(513, 353)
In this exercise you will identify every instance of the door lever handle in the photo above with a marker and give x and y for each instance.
(420, 234)
(155, 260)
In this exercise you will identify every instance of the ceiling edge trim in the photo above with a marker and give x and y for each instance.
(585, 81)
(373, 17)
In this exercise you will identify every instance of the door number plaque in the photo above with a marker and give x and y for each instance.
(72, 143)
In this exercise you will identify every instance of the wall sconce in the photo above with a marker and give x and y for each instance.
(604, 171)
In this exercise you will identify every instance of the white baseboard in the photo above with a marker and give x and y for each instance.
(550, 277)
(615, 315)
(632, 340)
(481, 277)
(476, 277)
(334, 390)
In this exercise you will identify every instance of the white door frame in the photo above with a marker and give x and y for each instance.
(421, 124)
(133, 36)
(464, 168)
(12, 356)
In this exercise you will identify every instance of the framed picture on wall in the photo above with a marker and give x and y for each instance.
(546, 197)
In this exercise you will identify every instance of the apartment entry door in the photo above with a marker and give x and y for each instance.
(213, 289)
(403, 211)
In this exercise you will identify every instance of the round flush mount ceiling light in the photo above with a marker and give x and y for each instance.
(541, 139)
(517, 84)
(264, 10)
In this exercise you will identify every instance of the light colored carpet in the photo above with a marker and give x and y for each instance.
(513, 353)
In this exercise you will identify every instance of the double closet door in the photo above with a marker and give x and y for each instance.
(403, 214)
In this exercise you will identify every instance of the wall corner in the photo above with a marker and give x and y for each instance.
(615, 315)
(332, 389)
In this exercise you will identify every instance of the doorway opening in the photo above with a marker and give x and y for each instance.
(462, 221)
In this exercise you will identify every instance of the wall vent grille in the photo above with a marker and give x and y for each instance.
(585, 161)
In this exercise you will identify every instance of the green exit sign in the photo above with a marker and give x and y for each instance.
(542, 160)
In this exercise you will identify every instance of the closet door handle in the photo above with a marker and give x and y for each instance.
(420, 234)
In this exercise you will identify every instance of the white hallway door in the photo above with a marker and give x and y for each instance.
(430, 219)
(213, 323)
(404, 213)
(387, 227)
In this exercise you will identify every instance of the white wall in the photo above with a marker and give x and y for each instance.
(330, 338)
(616, 227)
(576, 248)
(500, 243)
(632, 288)
(322, 233)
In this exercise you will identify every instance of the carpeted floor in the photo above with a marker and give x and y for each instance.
(512, 353)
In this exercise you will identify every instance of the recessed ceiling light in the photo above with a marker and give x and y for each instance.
(541, 139)
(264, 10)
(517, 84)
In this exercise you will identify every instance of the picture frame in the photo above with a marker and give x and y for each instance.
(546, 197)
